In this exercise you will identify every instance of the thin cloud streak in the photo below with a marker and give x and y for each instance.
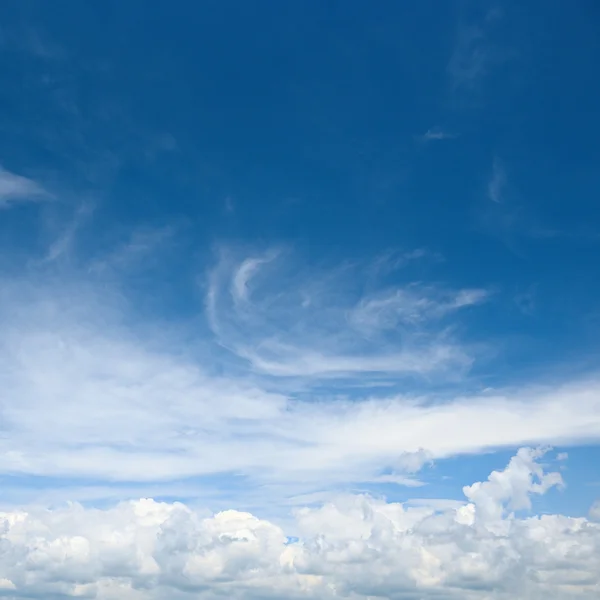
(15, 189)
(497, 182)
(63, 244)
(474, 53)
(141, 243)
(436, 134)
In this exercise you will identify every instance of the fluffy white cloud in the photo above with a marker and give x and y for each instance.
(523, 477)
(356, 547)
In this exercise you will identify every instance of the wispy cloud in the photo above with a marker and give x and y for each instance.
(16, 189)
(62, 245)
(85, 396)
(473, 53)
(143, 242)
(506, 216)
(298, 324)
(497, 182)
(394, 260)
(436, 134)
(411, 305)
(469, 60)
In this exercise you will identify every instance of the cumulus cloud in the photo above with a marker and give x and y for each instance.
(16, 188)
(523, 477)
(355, 547)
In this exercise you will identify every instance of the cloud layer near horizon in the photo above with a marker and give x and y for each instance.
(355, 547)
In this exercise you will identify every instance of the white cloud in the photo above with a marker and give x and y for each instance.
(523, 477)
(242, 276)
(410, 305)
(319, 325)
(16, 188)
(104, 410)
(396, 479)
(354, 547)
(86, 396)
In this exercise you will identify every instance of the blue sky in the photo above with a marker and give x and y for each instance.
(257, 256)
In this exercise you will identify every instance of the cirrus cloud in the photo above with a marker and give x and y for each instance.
(88, 396)
(16, 188)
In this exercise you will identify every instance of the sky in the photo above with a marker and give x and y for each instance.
(299, 300)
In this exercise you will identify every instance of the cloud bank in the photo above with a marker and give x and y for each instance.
(355, 547)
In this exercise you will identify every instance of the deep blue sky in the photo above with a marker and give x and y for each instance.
(465, 133)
